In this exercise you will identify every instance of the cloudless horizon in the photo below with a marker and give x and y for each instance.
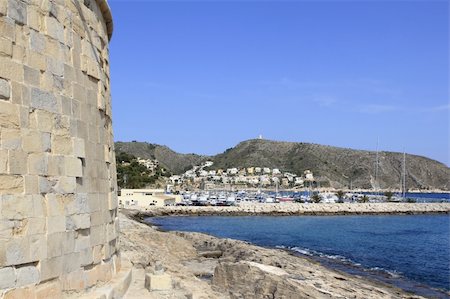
(201, 76)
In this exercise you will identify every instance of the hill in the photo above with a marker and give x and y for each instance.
(173, 161)
(332, 166)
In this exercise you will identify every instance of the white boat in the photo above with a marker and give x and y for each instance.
(329, 197)
(269, 200)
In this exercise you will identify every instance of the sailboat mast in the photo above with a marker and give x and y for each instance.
(376, 170)
(404, 174)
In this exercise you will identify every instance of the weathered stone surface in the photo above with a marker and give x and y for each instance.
(43, 100)
(9, 115)
(5, 89)
(7, 278)
(17, 11)
(11, 139)
(73, 167)
(27, 275)
(17, 162)
(80, 221)
(52, 140)
(161, 282)
(54, 29)
(3, 161)
(37, 41)
(11, 184)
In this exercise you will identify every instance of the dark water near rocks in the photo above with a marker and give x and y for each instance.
(412, 252)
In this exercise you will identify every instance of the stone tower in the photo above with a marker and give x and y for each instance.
(58, 203)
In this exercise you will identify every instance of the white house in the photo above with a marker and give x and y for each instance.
(147, 197)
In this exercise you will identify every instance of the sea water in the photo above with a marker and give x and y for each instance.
(412, 252)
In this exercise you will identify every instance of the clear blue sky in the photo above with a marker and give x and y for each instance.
(202, 76)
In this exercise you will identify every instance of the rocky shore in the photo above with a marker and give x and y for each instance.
(286, 209)
(202, 266)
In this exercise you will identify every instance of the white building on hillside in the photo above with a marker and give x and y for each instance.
(147, 197)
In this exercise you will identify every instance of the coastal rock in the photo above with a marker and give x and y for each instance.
(253, 280)
(242, 271)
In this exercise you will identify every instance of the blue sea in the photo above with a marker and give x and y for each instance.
(412, 252)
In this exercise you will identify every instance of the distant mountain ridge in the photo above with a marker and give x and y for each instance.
(332, 166)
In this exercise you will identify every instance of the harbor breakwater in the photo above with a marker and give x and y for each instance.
(290, 209)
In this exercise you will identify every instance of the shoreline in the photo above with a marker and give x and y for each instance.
(297, 209)
(243, 259)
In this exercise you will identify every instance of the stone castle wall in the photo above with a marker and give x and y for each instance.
(58, 203)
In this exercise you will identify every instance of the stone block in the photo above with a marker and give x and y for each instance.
(38, 163)
(51, 268)
(37, 41)
(11, 184)
(56, 165)
(3, 11)
(7, 278)
(74, 281)
(11, 69)
(79, 221)
(161, 282)
(44, 185)
(49, 290)
(11, 139)
(44, 120)
(64, 185)
(3, 161)
(9, 115)
(73, 167)
(82, 243)
(27, 275)
(16, 206)
(77, 204)
(6, 47)
(36, 226)
(55, 244)
(17, 11)
(20, 293)
(69, 242)
(31, 76)
(19, 53)
(44, 100)
(38, 246)
(54, 29)
(31, 184)
(36, 61)
(86, 257)
(7, 27)
(54, 204)
(33, 18)
(97, 254)
(98, 235)
(56, 224)
(61, 145)
(71, 262)
(17, 162)
(17, 251)
(5, 88)
(55, 67)
(79, 147)
(39, 209)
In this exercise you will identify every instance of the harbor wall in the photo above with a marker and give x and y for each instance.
(58, 203)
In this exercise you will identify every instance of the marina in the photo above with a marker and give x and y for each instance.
(231, 198)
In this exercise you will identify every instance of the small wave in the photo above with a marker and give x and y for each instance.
(391, 273)
(343, 260)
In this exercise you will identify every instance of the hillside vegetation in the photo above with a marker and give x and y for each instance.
(332, 166)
